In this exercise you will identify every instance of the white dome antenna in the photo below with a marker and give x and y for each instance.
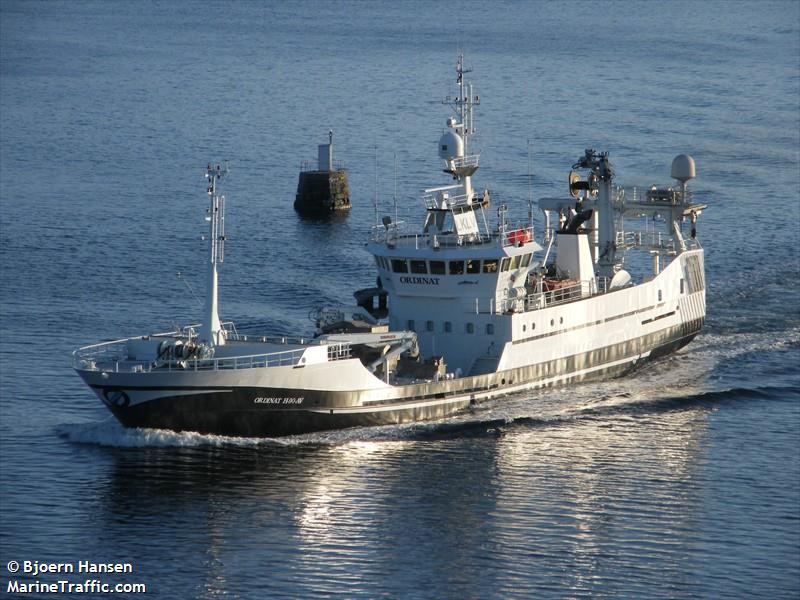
(451, 145)
(683, 168)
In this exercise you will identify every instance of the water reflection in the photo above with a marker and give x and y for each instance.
(602, 494)
(544, 503)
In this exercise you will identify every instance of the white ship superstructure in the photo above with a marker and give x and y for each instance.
(475, 308)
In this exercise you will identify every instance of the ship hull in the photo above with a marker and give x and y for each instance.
(252, 410)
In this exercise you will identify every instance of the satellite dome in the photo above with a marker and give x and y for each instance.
(451, 145)
(683, 168)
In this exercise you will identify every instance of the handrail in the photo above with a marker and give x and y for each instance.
(442, 240)
(313, 166)
(116, 352)
(538, 300)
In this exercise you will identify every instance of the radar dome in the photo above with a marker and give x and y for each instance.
(683, 168)
(451, 145)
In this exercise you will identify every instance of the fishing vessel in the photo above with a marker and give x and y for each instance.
(470, 307)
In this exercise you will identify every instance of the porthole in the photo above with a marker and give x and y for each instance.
(523, 328)
(560, 320)
(533, 326)
(552, 322)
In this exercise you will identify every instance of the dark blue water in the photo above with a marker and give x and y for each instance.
(682, 481)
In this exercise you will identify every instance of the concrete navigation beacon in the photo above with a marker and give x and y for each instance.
(325, 189)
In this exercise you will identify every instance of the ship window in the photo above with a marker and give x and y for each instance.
(523, 327)
(456, 267)
(560, 320)
(437, 267)
(473, 266)
(552, 321)
(659, 295)
(378, 262)
(429, 325)
(515, 262)
(490, 265)
(399, 265)
(526, 260)
(448, 327)
(504, 264)
(419, 266)
(681, 285)
(411, 325)
(470, 327)
(490, 329)
(533, 326)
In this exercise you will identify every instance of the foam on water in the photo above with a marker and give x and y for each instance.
(111, 433)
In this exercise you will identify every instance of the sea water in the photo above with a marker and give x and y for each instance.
(680, 481)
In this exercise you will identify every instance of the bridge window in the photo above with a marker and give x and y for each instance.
(456, 267)
(490, 265)
(526, 260)
(515, 262)
(437, 267)
(399, 265)
(419, 267)
(504, 264)
(473, 266)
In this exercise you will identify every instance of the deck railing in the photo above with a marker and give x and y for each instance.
(402, 237)
(542, 299)
(113, 356)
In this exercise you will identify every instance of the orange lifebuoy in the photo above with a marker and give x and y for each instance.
(519, 237)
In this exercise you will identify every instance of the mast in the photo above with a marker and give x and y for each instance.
(599, 165)
(211, 332)
(463, 165)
